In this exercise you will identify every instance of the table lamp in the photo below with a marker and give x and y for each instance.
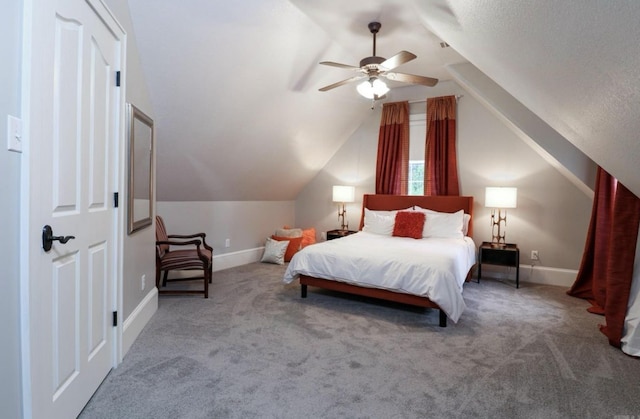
(342, 195)
(499, 198)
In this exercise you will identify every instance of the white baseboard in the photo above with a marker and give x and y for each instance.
(227, 260)
(239, 258)
(138, 319)
(533, 274)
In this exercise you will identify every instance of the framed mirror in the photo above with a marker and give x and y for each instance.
(140, 194)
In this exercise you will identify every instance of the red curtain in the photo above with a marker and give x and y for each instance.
(392, 167)
(441, 161)
(606, 270)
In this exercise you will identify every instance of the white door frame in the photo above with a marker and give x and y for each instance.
(26, 242)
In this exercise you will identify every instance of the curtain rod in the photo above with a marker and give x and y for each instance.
(425, 100)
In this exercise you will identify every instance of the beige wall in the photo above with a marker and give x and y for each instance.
(552, 215)
(245, 223)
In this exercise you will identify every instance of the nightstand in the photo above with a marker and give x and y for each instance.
(504, 255)
(336, 234)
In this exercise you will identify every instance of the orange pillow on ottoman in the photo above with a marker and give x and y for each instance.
(409, 224)
(292, 248)
(308, 235)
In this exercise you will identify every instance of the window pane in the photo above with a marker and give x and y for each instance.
(416, 177)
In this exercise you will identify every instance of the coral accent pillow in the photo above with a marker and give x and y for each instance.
(308, 235)
(409, 224)
(292, 248)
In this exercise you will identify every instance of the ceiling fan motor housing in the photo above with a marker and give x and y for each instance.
(374, 67)
(371, 61)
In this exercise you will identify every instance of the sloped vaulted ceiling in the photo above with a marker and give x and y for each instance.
(234, 84)
(574, 64)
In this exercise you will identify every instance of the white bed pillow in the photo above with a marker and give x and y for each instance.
(465, 220)
(274, 251)
(379, 222)
(465, 224)
(442, 224)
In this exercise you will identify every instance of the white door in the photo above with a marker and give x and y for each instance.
(73, 118)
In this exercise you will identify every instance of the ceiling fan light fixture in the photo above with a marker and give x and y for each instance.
(372, 88)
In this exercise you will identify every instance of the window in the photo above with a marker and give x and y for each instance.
(417, 135)
(416, 177)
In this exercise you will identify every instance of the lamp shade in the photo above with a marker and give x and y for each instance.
(501, 197)
(344, 193)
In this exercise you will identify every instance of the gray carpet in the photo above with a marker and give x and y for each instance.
(255, 349)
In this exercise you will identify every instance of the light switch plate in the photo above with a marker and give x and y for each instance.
(14, 134)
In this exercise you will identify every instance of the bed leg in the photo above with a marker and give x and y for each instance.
(303, 291)
(443, 319)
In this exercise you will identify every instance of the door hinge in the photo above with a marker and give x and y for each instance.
(115, 318)
(118, 78)
(115, 200)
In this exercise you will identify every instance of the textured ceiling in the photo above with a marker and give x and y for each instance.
(574, 64)
(234, 84)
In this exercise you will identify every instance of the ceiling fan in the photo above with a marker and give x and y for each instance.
(375, 68)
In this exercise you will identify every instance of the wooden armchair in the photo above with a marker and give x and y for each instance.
(182, 252)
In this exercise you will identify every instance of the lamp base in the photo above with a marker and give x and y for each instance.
(497, 239)
(341, 215)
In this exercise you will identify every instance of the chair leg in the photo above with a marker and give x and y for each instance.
(207, 279)
(158, 277)
(164, 278)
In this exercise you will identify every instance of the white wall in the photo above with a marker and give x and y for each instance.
(138, 248)
(245, 223)
(552, 215)
(10, 80)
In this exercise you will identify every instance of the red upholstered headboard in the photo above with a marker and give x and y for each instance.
(436, 203)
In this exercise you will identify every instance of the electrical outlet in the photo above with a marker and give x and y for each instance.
(534, 255)
(227, 243)
(143, 281)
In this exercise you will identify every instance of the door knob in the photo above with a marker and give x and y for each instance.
(48, 238)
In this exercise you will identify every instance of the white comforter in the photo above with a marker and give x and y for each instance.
(434, 268)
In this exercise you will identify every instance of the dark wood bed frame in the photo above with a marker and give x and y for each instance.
(395, 202)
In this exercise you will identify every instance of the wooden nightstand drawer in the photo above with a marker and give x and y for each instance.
(496, 256)
(504, 255)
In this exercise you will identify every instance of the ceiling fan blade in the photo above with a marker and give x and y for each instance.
(332, 64)
(397, 60)
(411, 78)
(340, 83)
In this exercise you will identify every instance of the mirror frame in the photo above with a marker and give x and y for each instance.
(135, 117)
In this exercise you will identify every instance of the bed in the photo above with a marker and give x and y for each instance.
(432, 277)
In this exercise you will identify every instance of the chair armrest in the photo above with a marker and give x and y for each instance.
(175, 243)
(190, 236)
(184, 236)
(196, 243)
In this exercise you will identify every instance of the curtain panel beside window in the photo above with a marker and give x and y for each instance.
(606, 270)
(441, 160)
(392, 166)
